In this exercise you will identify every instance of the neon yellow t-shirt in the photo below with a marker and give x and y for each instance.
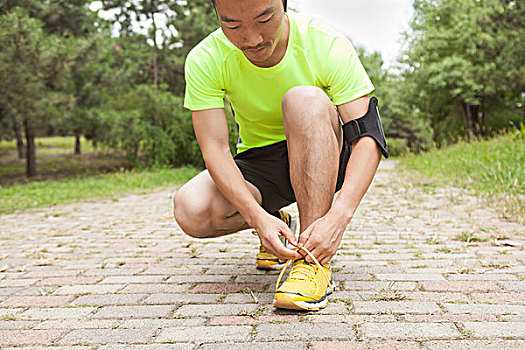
(316, 55)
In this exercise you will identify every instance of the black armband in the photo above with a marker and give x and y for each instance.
(367, 125)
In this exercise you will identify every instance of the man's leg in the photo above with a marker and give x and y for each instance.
(203, 212)
(314, 137)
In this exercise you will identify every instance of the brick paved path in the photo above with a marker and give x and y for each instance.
(121, 275)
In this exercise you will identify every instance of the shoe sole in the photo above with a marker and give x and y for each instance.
(270, 267)
(285, 301)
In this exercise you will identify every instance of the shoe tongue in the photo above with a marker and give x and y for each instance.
(301, 270)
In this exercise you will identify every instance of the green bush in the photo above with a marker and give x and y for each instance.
(397, 147)
(152, 128)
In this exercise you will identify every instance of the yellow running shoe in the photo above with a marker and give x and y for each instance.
(306, 287)
(268, 261)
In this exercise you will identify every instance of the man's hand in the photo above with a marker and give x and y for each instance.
(322, 238)
(269, 228)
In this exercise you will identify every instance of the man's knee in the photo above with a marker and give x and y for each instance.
(301, 102)
(305, 96)
(190, 213)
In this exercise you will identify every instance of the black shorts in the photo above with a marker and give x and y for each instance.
(268, 169)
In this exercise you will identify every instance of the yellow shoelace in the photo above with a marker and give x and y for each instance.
(316, 262)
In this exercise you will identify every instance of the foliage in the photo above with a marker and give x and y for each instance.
(403, 133)
(149, 124)
(464, 67)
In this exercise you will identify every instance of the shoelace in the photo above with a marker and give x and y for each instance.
(316, 262)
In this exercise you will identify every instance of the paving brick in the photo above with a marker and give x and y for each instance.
(77, 324)
(205, 334)
(508, 297)
(51, 273)
(179, 346)
(199, 279)
(216, 310)
(248, 320)
(481, 309)
(29, 337)
(155, 288)
(182, 298)
(496, 329)
(61, 281)
(517, 286)
(305, 331)
(88, 289)
(108, 299)
(108, 336)
(132, 279)
(256, 346)
(228, 287)
(112, 272)
(19, 282)
(6, 291)
(460, 286)
(395, 307)
(162, 322)
(140, 311)
(495, 344)
(57, 313)
(483, 277)
(5, 324)
(409, 331)
(37, 301)
(366, 345)
(378, 285)
(409, 277)
(239, 298)
(448, 318)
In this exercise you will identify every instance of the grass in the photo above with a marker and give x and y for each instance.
(65, 178)
(493, 168)
(55, 160)
(47, 193)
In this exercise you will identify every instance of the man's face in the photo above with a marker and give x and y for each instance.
(255, 27)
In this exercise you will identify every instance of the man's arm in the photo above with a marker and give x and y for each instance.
(211, 129)
(324, 235)
(362, 166)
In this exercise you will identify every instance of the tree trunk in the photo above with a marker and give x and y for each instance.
(77, 142)
(31, 154)
(19, 138)
(467, 117)
(155, 52)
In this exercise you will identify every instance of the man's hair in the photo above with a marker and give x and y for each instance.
(285, 3)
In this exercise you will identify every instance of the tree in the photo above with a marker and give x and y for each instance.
(464, 57)
(32, 67)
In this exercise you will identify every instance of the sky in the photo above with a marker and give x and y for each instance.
(374, 24)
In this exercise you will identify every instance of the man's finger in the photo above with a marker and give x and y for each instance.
(281, 251)
(289, 235)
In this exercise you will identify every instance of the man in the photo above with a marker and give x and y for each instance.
(283, 75)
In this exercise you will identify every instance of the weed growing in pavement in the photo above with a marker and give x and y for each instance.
(255, 313)
(497, 264)
(8, 317)
(194, 252)
(389, 294)
(469, 237)
(433, 240)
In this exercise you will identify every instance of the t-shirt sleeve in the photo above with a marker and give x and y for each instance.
(203, 87)
(346, 78)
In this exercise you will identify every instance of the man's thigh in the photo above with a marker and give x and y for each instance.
(202, 194)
